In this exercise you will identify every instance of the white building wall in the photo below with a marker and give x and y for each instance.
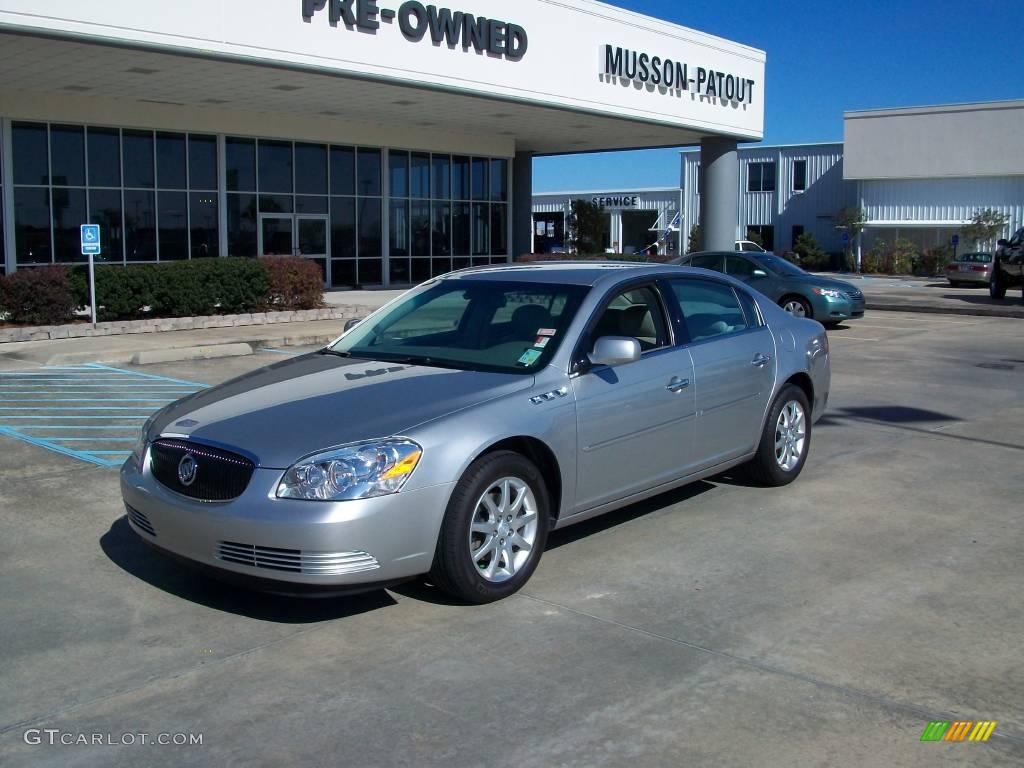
(813, 208)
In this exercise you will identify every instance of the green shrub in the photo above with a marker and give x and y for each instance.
(809, 255)
(932, 263)
(294, 283)
(38, 296)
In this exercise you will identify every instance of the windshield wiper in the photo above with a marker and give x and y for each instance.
(423, 360)
(329, 351)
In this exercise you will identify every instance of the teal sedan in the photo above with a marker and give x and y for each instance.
(800, 293)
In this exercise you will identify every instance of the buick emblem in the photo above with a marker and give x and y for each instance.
(187, 470)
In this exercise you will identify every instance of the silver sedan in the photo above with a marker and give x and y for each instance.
(450, 431)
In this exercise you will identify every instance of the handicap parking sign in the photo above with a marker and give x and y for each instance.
(90, 239)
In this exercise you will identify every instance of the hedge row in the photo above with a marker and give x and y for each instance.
(49, 295)
(660, 258)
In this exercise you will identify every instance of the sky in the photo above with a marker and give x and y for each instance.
(827, 57)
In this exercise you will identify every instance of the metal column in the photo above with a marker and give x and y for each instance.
(522, 204)
(719, 191)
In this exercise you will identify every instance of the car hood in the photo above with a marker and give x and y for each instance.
(280, 414)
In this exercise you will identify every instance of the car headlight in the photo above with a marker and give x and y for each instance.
(829, 293)
(360, 471)
(139, 449)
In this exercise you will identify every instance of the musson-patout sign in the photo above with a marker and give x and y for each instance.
(672, 75)
(417, 21)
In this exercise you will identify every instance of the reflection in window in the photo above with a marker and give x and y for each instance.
(68, 214)
(311, 169)
(31, 156)
(105, 210)
(240, 158)
(203, 239)
(67, 154)
(140, 225)
(173, 225)
(104, 157)
(137, 155)
(171, 170)
(32, 225)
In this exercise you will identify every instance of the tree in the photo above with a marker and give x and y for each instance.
(585, 226)
(755, 237)
(985, 227)
(696, 241)
(851, 220)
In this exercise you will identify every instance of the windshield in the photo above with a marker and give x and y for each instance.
(485, 325)
(975, 258)
(777, 265)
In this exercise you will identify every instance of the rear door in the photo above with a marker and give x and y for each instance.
(733, 355)
(635, 421)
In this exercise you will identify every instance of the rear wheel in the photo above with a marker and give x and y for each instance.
(797, 306)
(785, 441)
(996, 284)
(494, 530)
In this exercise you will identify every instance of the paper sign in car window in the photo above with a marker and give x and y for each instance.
(546, 332)
(541, 342)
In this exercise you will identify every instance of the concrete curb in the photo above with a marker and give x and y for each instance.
(179, 354)
(1016, 312)
(149, 356)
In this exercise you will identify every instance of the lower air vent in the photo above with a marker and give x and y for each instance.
(296, 560)
(141, 521)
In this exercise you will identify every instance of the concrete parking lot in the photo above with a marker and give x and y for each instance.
(822, 624)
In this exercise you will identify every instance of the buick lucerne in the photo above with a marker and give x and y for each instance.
(450, 431)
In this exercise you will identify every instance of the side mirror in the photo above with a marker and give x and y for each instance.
(350, 324)
(615, 350)
(759, 273)
(1002, 242)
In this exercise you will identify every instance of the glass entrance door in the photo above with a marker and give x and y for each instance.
(284, 234)
(277, 234)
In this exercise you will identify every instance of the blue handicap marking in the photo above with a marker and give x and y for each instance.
(955, 240)
(91, 239)
(89, 412)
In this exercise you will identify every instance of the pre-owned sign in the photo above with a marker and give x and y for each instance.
(416, 21)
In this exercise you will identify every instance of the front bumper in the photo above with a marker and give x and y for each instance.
(831, 310)
(298, 545)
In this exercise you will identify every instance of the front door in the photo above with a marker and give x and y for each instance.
(284, 234)
(634, 421)
(733, 365)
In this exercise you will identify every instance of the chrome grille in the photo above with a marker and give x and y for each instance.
(296, 560)
(140, 520)
(855, 294)
(220, 475)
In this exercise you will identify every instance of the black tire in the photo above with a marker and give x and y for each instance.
(996, 284)
(765, 468)
(454, 570)
(797, 299)
(955, 283)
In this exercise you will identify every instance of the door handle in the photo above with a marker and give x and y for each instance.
(760, 360)
(677, 384)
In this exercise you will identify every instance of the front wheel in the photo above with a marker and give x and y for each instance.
(494, 529)
(785, 440)
(797, 306)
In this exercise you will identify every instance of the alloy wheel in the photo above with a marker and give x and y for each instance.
(795, 308)
(790, 436)
(503, 529)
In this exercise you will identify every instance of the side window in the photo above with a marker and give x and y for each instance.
(707, 261)
(635, 313)
(709, 309)
(739, 266)
(750, 310)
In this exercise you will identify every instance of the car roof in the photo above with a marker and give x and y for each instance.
(567, 272)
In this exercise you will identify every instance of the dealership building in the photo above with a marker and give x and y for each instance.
(918, 174)
(387, 141)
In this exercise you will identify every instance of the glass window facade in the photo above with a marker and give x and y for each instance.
(445, 212)
(152, 193)
(368, 216)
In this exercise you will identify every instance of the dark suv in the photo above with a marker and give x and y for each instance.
(1008, 269)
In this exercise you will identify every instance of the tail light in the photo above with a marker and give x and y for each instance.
(951, 267)
(978, 268)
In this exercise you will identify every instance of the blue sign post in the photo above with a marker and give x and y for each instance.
(91, 247)
(954, 241)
